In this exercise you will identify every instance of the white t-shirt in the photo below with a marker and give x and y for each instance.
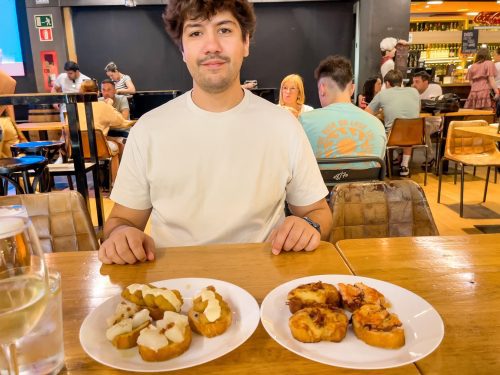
(70, 86)
(217, 177)
(432, 91)
(384, 69)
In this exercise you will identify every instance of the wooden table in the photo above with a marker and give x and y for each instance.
(485, 131)
(459, 276)
(461, 112)
(86, 284)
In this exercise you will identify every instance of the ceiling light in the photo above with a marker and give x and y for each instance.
(472, 13)
(464, 9)
(434, 2)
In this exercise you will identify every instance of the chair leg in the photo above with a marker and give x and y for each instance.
(425, 172)
(462, 181)
(455, 177)
(389, 163)
(474, 171)
(486, 183)
(496, 170)
(27, 184)
(438, 146)
(440, 174)
(70, 182)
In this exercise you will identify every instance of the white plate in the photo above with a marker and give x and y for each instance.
(245, 320)
(423, 326)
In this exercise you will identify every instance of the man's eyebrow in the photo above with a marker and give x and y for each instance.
(194, 24)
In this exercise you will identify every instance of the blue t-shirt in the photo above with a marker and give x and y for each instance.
(342, 129)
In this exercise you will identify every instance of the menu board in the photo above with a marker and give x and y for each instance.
(470, 41)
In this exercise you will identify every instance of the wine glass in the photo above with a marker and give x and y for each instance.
(23, 283)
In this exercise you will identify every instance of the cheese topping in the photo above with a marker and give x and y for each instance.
(140, 317)
(152, 338)
(123, 310)
(174, 325)
(213, 309)
(168, 295)
(124, 326)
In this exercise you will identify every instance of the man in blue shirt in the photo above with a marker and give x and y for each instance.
(340, 128)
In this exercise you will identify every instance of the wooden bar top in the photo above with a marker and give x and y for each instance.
(86, 284)
(459, 276)
(461, 112)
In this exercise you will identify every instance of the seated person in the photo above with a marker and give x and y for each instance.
(396, 102)
(292, 95)
(428, 90)
(9, 134)
(340, 128)
(123, 83)
(119, 102)
(105, 117)
(371, 88)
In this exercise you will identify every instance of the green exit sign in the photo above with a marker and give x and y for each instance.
(43, 20)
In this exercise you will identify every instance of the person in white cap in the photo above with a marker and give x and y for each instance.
(388, 49)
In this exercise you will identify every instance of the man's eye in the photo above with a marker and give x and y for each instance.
(225, 30)
(194, 34)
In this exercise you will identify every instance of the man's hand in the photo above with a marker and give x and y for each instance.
(294, 234)
(127, 245)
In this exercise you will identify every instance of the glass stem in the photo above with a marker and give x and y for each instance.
(9, 352)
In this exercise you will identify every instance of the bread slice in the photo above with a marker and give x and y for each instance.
(172, 350)
(319, 323)
(200, 323)
(312, 294)
(378, 327)
(359, 294)
(129, 340)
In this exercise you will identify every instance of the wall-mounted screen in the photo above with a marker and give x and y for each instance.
(11, 57)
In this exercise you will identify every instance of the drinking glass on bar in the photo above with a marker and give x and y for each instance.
(23, 284)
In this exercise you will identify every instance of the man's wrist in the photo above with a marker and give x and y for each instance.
(312, 223)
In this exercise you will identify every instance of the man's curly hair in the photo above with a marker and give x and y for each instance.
(178, 11)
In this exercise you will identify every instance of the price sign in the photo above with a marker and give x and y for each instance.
(43, 21)
(470, 41)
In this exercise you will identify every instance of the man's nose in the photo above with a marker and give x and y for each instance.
(212, 42)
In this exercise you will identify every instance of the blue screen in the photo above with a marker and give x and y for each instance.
(11, 57)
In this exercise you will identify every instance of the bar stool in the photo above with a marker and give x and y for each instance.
(13, 168)
(49, 149)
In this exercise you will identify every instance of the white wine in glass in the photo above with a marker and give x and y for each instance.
(23, 283)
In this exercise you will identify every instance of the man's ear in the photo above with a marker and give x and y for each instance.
(247, 46)
(321, 89)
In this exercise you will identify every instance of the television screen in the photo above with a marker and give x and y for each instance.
(11, 57)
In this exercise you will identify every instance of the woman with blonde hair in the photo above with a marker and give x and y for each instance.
(123, 82)
(292, 95)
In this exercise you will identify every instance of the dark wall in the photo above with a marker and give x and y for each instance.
(290, 38)
(27, 83)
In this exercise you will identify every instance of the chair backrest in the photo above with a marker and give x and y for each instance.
(334, 172)
(103, 151)
(460, 143)
(407, 132)
(380, 209)
(61, 220)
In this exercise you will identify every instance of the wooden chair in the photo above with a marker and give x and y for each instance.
(380, 209)
(61, 220)
(468, 150)
(406, 133)
(334, 172)
(104, 154)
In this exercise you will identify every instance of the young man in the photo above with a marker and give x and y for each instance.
(428, 90)
(68, 82)
(340, 128)
(216, 164)
(397, 102)
(119, 102)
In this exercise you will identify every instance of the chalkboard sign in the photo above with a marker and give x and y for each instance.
(469, 41)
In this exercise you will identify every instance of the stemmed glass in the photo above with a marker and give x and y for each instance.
(23, 283)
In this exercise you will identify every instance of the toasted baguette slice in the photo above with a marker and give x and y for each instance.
(319, 323)
(378, 327)
(170, 351)
(359, 294)
(199, 322)
(129, 340)
(312, 294)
